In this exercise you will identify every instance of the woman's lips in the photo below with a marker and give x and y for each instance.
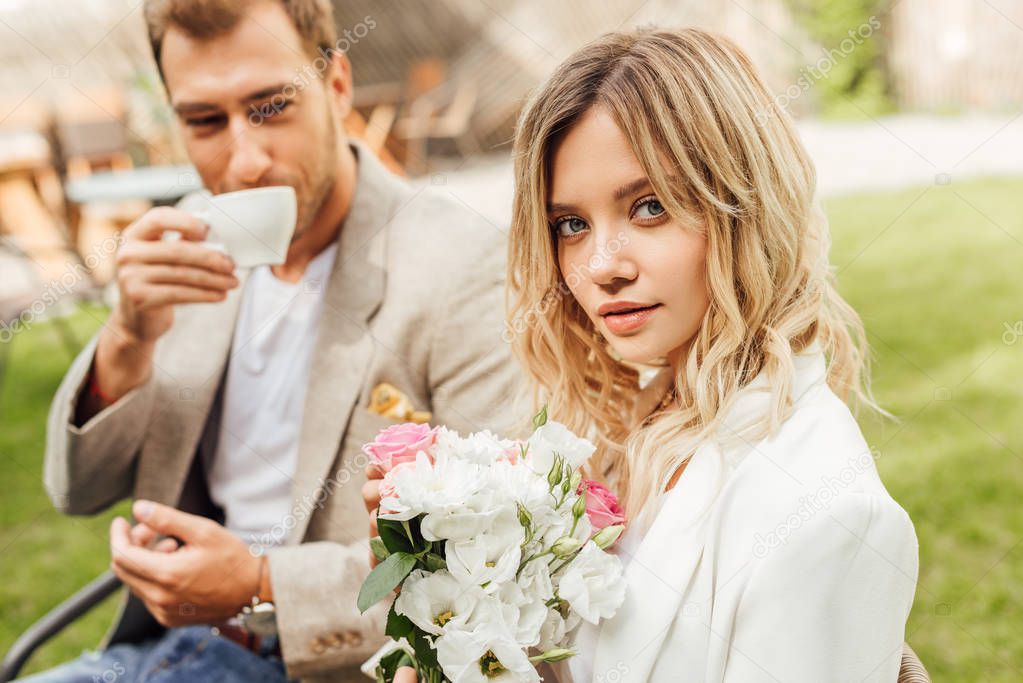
(629, 321)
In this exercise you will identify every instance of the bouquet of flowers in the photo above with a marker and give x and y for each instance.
(497, 548)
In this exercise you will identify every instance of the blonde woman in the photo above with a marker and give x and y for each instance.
(664, 216)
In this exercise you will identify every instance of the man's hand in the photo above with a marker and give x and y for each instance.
(208, 579)
(153, 275)
(371, 497)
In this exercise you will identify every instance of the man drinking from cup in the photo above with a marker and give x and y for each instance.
(232, 402)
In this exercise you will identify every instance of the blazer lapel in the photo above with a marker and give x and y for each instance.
(658, 575)
(344, 344)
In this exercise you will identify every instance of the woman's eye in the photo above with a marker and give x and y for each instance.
(649, 208)
(569, 226)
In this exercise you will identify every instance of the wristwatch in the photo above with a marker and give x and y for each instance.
(259, 618)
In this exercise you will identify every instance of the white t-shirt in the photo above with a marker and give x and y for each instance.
(267, 375)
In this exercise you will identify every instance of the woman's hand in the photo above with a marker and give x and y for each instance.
(371, 497)
(405, 674)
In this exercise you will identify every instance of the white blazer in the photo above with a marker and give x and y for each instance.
(783, 560)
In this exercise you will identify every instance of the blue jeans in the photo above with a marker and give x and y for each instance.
(190, 654)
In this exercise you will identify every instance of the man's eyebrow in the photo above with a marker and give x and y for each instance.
(261, 94)
(268, 91)
(183, 108)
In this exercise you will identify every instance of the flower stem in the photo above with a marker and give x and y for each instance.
(529, 559)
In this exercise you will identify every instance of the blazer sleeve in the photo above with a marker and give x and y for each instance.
(831, 602)
(88, 468)
(320, 627)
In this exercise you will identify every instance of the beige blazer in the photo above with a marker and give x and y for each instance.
(415, 299)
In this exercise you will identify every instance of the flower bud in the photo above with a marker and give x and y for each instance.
(556, 655)
(540, 419)
(606, 537)
(566, 546)
(579, 508)
(556, 473)
(525, 518)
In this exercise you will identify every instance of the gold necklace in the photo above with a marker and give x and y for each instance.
(668, 400)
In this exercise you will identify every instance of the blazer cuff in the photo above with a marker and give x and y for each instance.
(315, 588)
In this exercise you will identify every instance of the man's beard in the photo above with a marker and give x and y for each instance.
(321, 183)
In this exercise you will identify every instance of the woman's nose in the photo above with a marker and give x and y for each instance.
(611, 260)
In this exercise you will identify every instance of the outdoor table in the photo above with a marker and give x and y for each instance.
(161, 185)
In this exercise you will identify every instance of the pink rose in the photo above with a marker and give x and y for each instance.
(601, 505)
(399, 443)
(512, 453)
(387, 487)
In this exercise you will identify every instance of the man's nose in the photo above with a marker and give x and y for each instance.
(249, 159)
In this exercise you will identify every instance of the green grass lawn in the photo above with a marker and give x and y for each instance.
(45, 555)
(934, 272)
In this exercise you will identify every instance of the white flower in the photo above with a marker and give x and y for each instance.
(486, 559)
(425, 486)
(535, 580)
(521, 484)
(488, 510)
(522, 613)
(552, 631)
(555, 437)
(434, 600)
(486, 654)
(592, 584)
(560, 526)
(482, 448)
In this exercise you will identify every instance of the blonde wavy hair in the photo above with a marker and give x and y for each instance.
(694, 99)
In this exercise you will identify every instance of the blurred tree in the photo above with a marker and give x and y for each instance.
(851, 36)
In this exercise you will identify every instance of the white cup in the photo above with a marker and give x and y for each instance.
(254, 227)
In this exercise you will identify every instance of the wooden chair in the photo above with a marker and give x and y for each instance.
(912, 669)
(92, 133)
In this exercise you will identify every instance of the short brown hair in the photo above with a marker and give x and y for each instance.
(206, 19)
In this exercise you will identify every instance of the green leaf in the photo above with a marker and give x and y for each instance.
(384, 578)
(434, 562)
(396, 539)
(380, 551)
(398, 625)
(423, 646)
(540, 419)
(390, 663)
(392, 534)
